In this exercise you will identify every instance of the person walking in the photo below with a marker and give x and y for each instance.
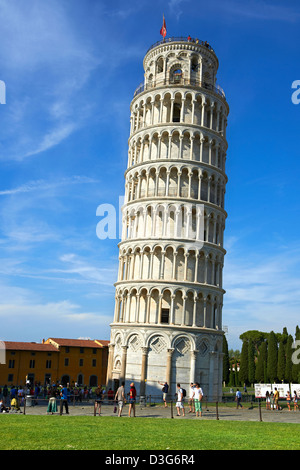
(295, 400)
(132, 398)
(99, 399)
(120, 398)
(238, 397)
(179, 403)
(197, 397)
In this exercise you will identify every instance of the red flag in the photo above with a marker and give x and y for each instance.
(163, 30)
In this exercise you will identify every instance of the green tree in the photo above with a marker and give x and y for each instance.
(272, 357)
(260, 371)
(244, 368)
(295, 366)
(288, 363)
(251, 362)
(257, 337)
(281, 361)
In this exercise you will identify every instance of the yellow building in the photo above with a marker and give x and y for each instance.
(55, 360)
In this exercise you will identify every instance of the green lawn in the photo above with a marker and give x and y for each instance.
(22, 432)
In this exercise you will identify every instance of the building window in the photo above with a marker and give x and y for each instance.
(13, 353)
(94, 363)
(94, 351)
(81, 362)
(47, 379)
(10, 378)
(66, 361)
(81, 350)
(48, 364)
(177, 76)
(11, 364)
(176, 112)
(67, 349)
(32, 364)
(165, 315)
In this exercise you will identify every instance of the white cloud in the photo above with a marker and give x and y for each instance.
(262, 292)
(42, 185)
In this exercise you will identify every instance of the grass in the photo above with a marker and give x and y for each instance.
(23, 432)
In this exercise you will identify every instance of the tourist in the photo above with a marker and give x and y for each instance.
(276, 399)
(197, 397)
(132, 398)
(165, 390)
(99, 399)
(110, 395)
(5, 394)
(288, 399)
(295, 400)
(268, 401)
(120, 398)
(238, 398)
(179, 403)
(64, 399)
(191, 399)
(52, 407)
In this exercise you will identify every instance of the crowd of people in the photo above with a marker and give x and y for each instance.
(272, 400)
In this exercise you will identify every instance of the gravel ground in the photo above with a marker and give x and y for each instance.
(159, 411)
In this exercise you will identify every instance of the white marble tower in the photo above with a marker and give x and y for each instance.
(168, 313)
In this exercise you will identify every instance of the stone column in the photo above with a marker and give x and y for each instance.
(169, 368)
(212, 357)
(111, 351)
(193, 365)
(123, 364)
(144, 371)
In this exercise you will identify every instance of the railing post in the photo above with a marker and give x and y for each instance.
(172, 416)
(217, 411)
(259, 410)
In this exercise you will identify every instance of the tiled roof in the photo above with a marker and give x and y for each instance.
(21, 346)
(79, 343)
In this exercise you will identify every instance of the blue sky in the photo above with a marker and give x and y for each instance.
(70, 69)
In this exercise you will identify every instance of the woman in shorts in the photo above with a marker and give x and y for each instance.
(295, 400)
(99, 399)
(132, 398)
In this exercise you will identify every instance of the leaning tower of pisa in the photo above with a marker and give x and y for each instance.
(167, 322)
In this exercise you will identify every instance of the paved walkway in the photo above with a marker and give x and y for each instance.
(247, 413)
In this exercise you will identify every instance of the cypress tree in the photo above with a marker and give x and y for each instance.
(272, 358)
(231, 377)
(295, 366)
(244, 368)
(288, 363)
(281, 361)
(251, 362)
(260, 371)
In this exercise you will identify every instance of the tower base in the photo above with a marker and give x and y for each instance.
(151, 356)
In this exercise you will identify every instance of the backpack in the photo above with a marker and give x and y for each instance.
(184, 392)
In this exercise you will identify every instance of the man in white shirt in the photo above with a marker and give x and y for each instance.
(179, 403)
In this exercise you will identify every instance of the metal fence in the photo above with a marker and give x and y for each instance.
(153, 404)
